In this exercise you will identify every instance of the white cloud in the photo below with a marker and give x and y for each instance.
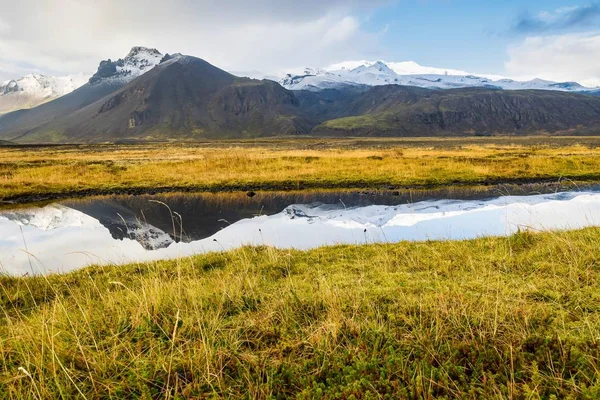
(65, 36)
(4, 27)
(341, 31)
(570, 57)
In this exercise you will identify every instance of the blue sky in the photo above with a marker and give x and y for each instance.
(471, 35)
(552, 39)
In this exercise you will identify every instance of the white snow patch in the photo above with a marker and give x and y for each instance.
(35, 89)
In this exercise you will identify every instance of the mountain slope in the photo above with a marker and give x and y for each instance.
(468, 112)
(106, 81)
(33, 90)
(182, 97)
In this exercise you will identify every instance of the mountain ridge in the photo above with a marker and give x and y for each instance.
(187, 98)
(467, 112)
(377, 73)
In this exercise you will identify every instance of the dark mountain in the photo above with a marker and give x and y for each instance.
(5, 143)
(398, 111)
(183, 97)
(326, 104)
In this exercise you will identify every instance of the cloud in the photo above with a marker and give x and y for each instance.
(569, 57)
(66, 36)
(561, 20)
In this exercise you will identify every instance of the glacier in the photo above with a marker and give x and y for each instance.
(409, 73)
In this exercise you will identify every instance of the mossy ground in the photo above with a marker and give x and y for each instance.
(515, 317)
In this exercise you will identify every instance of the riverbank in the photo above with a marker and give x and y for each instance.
(491, 318)
(40, 173)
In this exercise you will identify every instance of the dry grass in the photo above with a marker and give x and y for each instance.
(296, 164)
(515, 317)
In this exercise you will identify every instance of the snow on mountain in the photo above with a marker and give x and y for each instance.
(374, 73)
(139, 61)
(401, 68)
(35, 89)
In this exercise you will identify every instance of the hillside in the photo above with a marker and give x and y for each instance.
(396, 111)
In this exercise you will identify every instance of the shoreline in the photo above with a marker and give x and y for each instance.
(528, 184)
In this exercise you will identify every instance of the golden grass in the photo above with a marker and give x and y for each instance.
(293, 164)
(493, 318)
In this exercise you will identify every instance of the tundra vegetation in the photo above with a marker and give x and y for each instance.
(515, 317)
(283, 164)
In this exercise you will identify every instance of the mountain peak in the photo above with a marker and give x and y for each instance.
(382, 67)
(139, 61)
(141, 50)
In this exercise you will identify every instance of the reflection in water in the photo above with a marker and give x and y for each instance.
(120, 229)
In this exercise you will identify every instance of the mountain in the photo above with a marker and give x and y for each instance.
(34, 89)
(183, 97)
(407, 111)
(111, 76)
(410, 74)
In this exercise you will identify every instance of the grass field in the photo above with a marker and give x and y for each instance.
(28, 173)
(495, 318)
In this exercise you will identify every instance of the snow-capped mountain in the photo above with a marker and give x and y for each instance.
(139, 61)
(409, 73)
(35, 89)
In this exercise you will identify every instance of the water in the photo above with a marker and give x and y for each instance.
(115, 230)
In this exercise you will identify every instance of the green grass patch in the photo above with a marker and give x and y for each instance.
(515, 317)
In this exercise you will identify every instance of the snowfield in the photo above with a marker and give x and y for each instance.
(35, 89)
(409, 73)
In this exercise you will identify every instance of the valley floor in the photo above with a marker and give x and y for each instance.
(35, 173)
(515, 317)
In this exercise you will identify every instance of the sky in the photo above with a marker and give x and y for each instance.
(550, 39)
